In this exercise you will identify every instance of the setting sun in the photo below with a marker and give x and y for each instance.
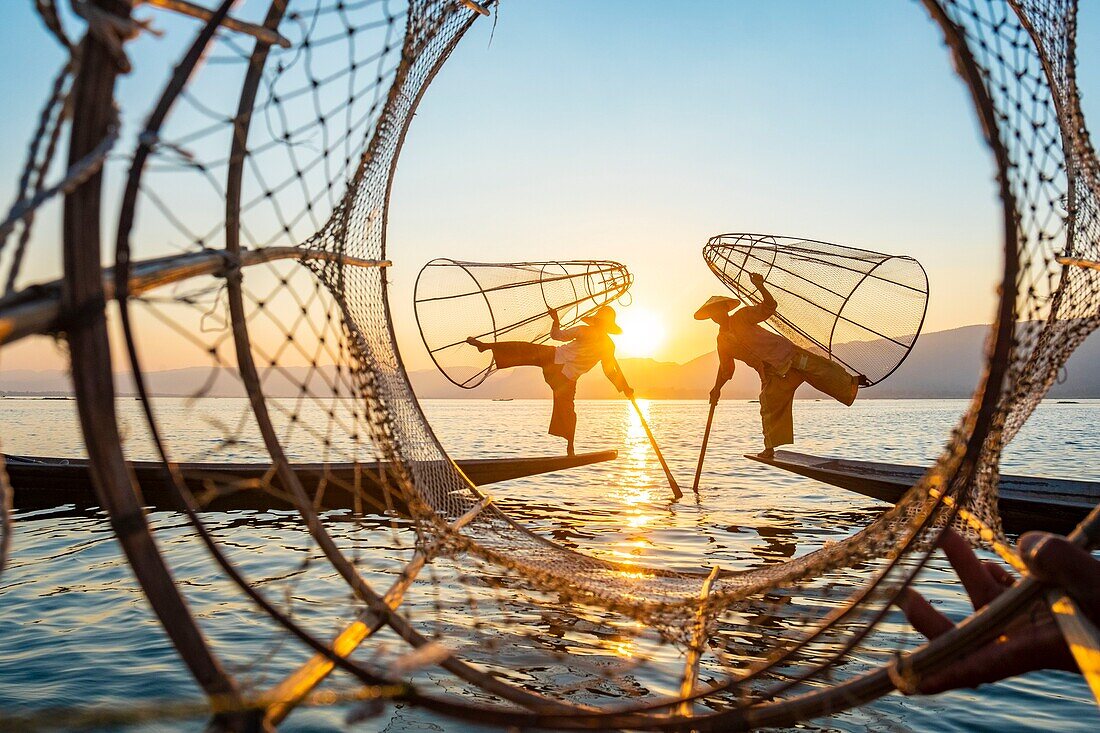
(643, 332)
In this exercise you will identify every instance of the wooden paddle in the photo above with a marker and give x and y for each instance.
(676, 493)
(703, 448)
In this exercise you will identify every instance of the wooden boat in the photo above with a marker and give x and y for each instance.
(1026, 502)
(49, 483)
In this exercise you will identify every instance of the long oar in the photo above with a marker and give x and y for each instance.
(657, 449)
(703, 449)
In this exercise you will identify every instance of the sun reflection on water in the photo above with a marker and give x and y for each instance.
(637, 490)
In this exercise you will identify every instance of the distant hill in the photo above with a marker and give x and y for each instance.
(943, 364)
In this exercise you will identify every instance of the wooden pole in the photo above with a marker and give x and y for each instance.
(1082, 637)
(36, 308)
(259, 32)
(676, 493)
(703, 448)
(1078, 262)
(698, 644)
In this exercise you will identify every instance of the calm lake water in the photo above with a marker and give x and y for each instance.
(75, 630)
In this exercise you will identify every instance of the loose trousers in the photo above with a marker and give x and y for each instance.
(777, 393)
(563, 418)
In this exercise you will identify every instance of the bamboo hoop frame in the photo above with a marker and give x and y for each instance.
(93, 381)
(288, 693)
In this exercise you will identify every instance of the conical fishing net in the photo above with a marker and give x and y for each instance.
(860, 308)
(498, 301)
(252, 227)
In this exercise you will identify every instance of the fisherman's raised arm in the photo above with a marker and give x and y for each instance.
(556, 331)
(763, 310)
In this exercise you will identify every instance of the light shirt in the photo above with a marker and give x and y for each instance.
(586, 347)
(741, 337)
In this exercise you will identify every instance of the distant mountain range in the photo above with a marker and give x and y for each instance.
(943, 364)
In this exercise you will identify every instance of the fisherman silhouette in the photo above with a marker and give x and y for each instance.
(782, 365)
(563, 365)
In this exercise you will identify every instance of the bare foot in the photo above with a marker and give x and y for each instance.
(767, 454)
(479, 345)
(862, 381)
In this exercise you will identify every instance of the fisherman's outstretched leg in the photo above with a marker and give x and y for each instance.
(828, 377)
(777, 410)
(517, 353)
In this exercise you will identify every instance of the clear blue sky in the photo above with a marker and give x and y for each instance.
(635, 130)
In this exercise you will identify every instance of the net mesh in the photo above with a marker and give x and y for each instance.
(860, 308)
(504, 302)
(302, 156)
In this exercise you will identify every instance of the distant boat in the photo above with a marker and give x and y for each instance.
(1025, 502)
(502, 399)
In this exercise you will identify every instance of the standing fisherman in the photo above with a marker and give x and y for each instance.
(782, 366)
(563, 365)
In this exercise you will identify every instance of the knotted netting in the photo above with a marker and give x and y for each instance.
(860, 308)
(258, 221)
(504, 301)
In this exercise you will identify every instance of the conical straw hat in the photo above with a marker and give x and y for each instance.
(605, 319)
(715, 304)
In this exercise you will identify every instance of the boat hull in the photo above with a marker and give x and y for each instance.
(1025, 502)
(50, 483)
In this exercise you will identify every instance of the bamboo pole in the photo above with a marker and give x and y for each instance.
(703, 449)
(1078, 262)
(476, 7)
(1082, 637)
(676, 493)
(698, 641)
(262, 34)
(37, 308)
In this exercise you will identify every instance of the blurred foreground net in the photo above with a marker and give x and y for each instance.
(457, 606)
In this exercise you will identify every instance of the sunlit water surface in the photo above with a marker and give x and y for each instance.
(74, 630)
